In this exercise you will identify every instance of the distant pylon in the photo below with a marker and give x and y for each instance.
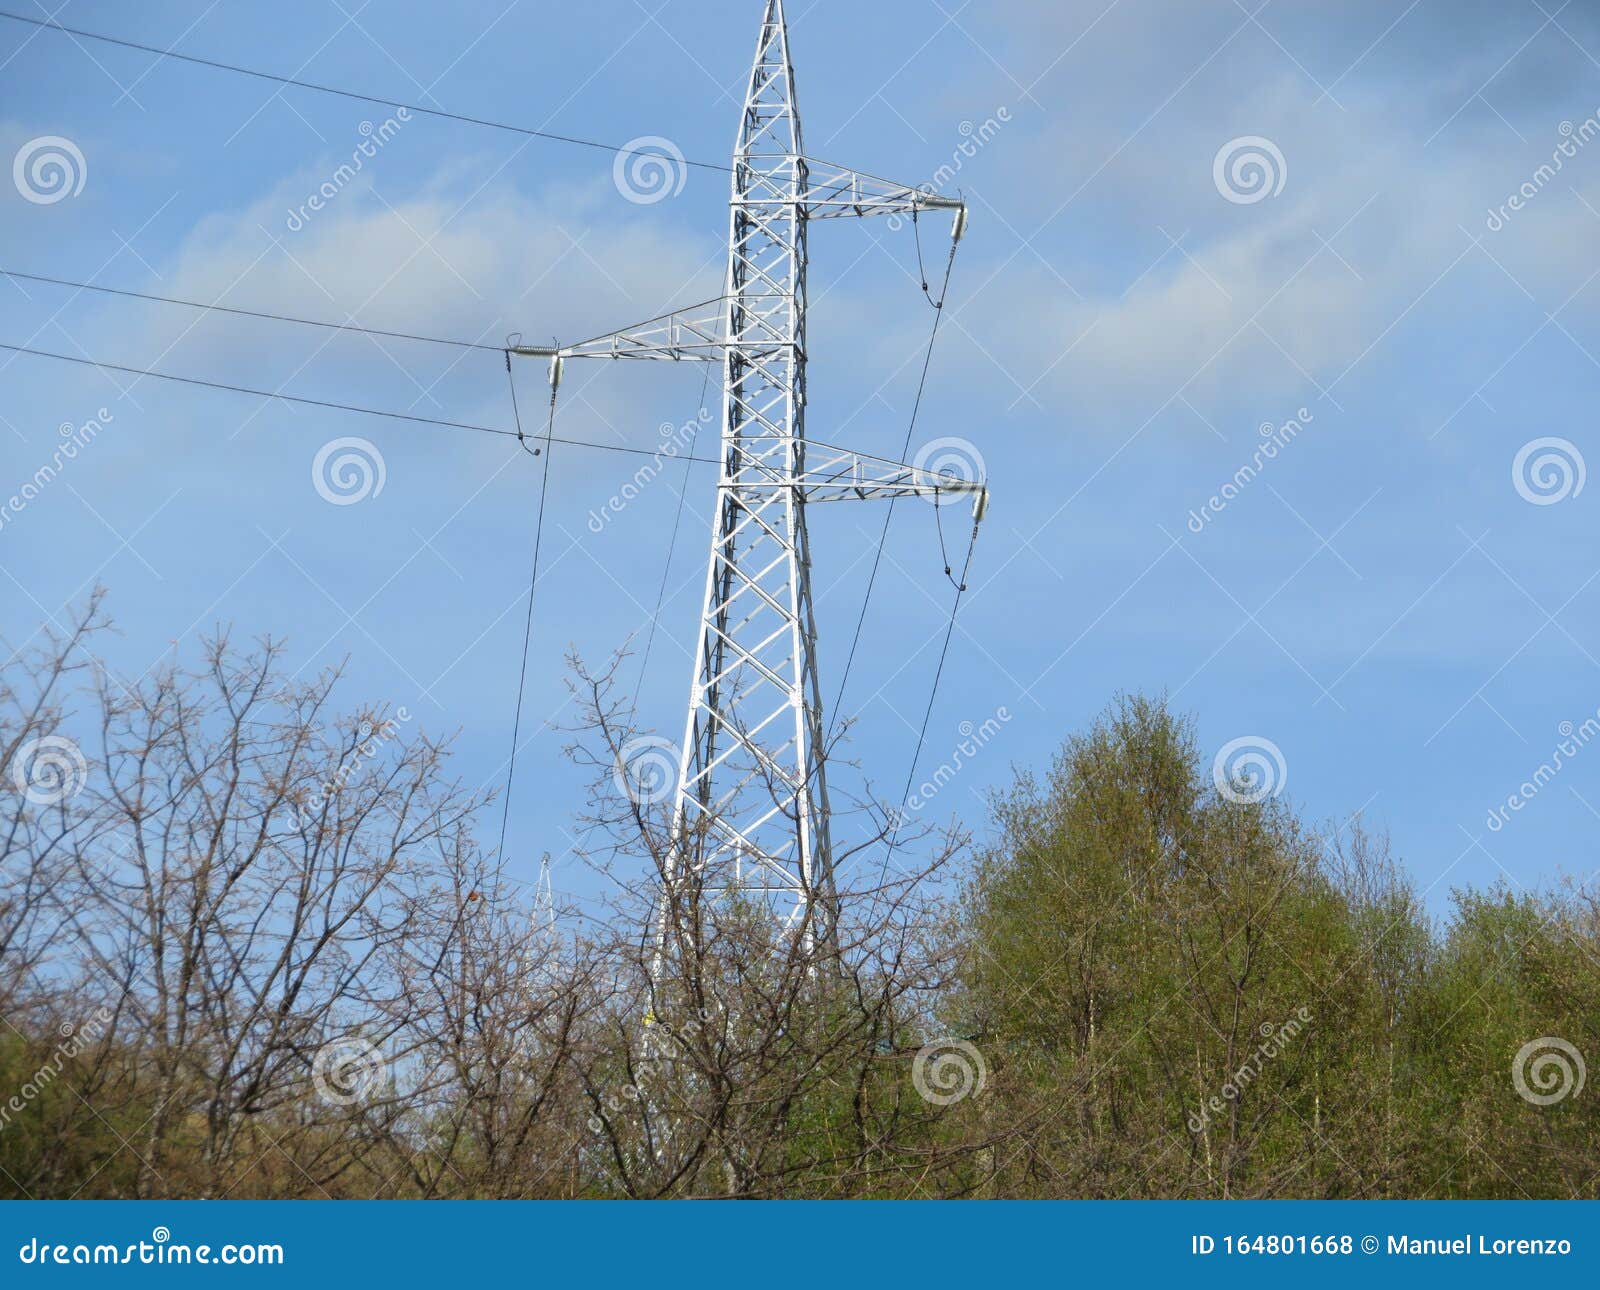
(544, 904)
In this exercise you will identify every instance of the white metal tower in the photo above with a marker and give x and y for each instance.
(751, 806)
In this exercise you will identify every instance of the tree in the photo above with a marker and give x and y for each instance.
(764, 1062)
(1173, 986)
(306, 978)
(264, 905)
(250, 946)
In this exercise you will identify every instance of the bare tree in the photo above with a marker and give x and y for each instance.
(308, 979)
(752, 1048)
(44, 772)
(242, 868)
(497, 1004)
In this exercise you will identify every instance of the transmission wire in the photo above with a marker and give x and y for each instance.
(533, 582)
(341, 407)
(883, 537)
(933, 694)
(51, 25)
(246, 313)
(666, 571)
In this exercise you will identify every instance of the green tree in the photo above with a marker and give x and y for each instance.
(1178, 990)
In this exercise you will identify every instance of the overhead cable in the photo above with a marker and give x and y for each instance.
(51, 25)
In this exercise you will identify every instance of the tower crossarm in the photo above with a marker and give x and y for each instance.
(832, 474)
(831, 192)
(698, 333)
(695, 333)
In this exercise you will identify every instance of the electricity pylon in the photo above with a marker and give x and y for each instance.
(751, 806)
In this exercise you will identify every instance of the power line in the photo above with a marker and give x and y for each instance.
(933, 695)
(533, 583)
(911, 425)
(260, 394)
(340, 407)
(50, 25)
(247, 313)
(938, 672)
(672, 543)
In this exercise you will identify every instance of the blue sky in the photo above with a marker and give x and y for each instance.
(1381, 601)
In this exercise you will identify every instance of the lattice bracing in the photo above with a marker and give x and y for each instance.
(751, 806)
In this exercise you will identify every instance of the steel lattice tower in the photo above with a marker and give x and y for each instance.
(751, 786)
(751, 805)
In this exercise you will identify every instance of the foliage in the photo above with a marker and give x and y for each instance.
(256, 950)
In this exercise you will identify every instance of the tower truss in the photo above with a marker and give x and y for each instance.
(750, 810)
